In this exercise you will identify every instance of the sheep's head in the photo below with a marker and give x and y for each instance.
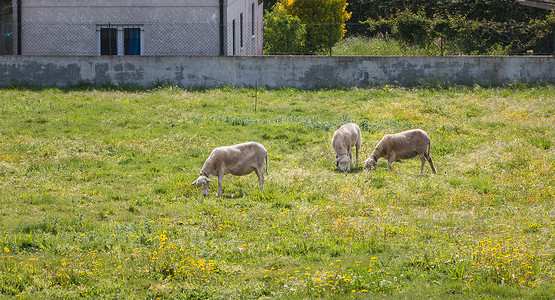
(344, 163)
(203, 183)
(370, 163)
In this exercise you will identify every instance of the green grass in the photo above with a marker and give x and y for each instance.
(381, 47)
(96, 201)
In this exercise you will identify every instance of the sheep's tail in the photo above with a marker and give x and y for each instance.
(267, 164)
(429, 148)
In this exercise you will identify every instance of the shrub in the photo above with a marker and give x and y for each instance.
(412, 28)
(283, 33)
(457, 34)
(324, 20)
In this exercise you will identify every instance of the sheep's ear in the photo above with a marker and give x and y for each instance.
(336, 160)
(194, 182)
(208, 179)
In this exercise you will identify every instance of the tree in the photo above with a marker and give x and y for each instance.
(283, 33)
(490, 10)
(412, 28)
(324, 21)
(269, 5)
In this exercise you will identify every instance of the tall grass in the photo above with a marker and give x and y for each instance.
(381, 47)
(96, 201)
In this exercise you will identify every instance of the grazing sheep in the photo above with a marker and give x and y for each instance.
(403, 145)
(240, 159)
(343, 140)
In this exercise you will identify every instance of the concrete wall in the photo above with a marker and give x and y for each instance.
(303, 72)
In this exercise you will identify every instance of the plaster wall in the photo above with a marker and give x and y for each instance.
(304, 72)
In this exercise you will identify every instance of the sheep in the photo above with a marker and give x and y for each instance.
(343, 140)
(239, 160)
(403, 145)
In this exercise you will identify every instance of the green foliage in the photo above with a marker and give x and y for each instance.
(544, 31)
(283, 33)
(490, 10)
(412, 28)
(324, 21)
(458, 34)
(448, 27)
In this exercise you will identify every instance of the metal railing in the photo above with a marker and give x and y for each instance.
(206, 39)
(470, 38)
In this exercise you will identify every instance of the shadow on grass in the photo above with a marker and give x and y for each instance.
(86, 86)
(354, 170)
(233, 194)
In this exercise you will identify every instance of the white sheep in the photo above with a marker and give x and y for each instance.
(343, 140)
(403, 145)
(239, 160)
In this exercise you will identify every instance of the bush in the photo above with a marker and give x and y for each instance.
(283, 33)
(412, 28)
(324, 20)
(457, 34)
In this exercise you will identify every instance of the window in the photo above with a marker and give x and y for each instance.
(241, 28)
(120, 40)
(233, 41)
(132, 41)
(108, 41)
(252, 20)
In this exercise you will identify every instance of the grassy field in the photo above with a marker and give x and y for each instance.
(96, 197)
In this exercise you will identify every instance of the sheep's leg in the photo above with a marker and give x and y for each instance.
(390, 162)
(423, 160)
(260, 175)
(220, 179)
(357, 155)
(431, 163)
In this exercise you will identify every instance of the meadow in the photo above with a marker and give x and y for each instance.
(96, 197)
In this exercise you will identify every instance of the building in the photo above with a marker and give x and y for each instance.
(138, 27)
(543, 4)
